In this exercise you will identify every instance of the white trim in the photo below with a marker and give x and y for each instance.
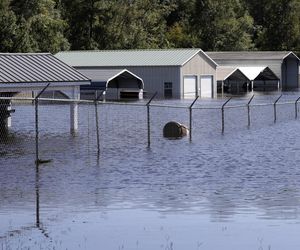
(291, 52)
(236, 69)
(200, 50)
(120, 73)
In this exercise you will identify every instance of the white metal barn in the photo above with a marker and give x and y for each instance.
(176, 73)
(278, 66)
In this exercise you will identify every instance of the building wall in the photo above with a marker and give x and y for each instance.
(197, 66)
(154, 77)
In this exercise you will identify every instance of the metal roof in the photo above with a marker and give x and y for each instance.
(250, 73)
(250, 55)
(125, 58)
(255, 73)
(37, 68)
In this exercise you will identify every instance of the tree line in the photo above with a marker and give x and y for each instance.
(55, 25)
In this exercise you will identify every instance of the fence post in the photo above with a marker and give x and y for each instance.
(296, 107)
(248, 107)
(275, 111)
(36, 104)
(191, 121)
(37, 198)
(97, 121)
(148, 119)
(223, 107)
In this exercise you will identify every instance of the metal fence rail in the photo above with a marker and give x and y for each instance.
(96, 113)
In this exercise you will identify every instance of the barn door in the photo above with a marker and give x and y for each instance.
(206, 86)
(189, 86)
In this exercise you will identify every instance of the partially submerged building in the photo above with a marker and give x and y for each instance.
(30, 72)
(238, 79)
(172, 73)
(113, 84)
(275, 68)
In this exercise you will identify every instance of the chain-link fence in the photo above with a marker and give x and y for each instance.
(40, 131)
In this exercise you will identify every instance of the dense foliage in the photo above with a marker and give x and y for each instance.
(54, 25)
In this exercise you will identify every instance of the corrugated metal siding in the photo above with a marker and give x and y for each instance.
(153, 77)
(199, 65)
(36, 68)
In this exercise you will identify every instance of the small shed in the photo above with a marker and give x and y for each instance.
(32, 72)
(115, 84)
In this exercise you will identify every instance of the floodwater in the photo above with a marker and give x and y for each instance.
(240, 190)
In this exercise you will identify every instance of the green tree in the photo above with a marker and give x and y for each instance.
(280, 25)
(179, 30)
(116, 24)
(222, 25)
(8, 27)
(41, 28)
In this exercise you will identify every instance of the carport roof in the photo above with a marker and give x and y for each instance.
(108, 75)
(223, 73)
(37, 68)
(125, 58)
(253, 73)
(250, 73)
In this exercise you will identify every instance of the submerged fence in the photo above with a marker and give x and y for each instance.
(40, 127)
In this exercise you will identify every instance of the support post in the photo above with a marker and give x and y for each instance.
(275, 111)
(97, 121)
(75, 94)
(73, 117)
(296, 107)
(252, 86)
(248, 108)
(148, 119)
(191, 118)
(223, 118)
(8, 121)
(278, 85)
(141, 94)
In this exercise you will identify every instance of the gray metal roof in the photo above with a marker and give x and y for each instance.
(250, 55)
(37, 68)
(125, 58)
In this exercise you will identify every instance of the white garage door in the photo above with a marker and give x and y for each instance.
(206, 85)
(189, 86)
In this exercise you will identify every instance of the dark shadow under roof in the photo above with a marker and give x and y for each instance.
(37, 68)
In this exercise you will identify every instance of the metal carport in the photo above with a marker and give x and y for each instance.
(21, 72)
(115, 83)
